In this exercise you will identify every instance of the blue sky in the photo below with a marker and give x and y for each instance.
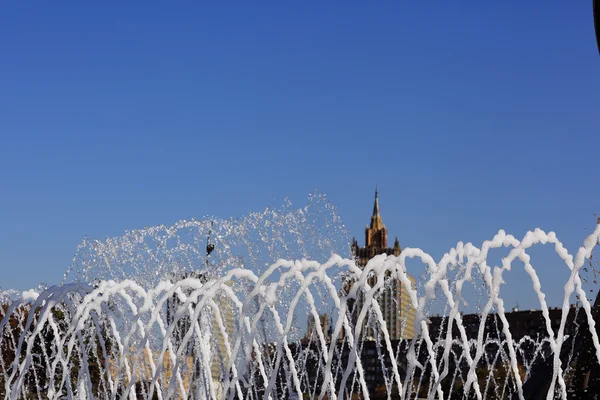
(471, 117)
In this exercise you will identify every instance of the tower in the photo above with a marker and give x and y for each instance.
(376, 233)
(375, 238)
(393, 299)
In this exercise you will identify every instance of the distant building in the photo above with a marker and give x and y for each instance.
(374, 358)
(323, 321)
(393, 299)
(521, 323)
(214, 341)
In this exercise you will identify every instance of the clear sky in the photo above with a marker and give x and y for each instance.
(471, 116)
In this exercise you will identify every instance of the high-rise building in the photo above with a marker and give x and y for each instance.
(312, 326)
(209, 351)
(393, 299)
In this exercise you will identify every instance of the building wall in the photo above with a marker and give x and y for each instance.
(521, 323)
(395, 305)
(213, 344)
(214, 350)
(323, 321)
(219, 339)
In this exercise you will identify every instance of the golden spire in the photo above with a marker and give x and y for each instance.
(376, 233)
(376, 205)
(376, 222)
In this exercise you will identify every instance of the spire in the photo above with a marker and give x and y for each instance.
(376, 222)
(397, 248)
(376, 205)
(376, 234)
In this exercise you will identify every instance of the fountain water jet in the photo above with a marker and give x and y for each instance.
(230, 333)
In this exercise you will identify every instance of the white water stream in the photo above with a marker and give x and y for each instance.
(232, 335)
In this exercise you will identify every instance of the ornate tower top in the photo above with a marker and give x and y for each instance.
(376, 233)
(376, 222)
(397, 248)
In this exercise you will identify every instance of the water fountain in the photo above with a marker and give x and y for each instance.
(151, 315)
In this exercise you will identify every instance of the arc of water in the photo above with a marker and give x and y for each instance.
(342, 318)
(231, 295)
(94, 301)
(303, 266)
(519, 251)
(209, 293)
(68, 334)
(148, 306)
(319, 272)
(194, 314)
(138, 326)
(109, 289)
(448, 259)
(168, 290)
(477, 256)
(44, 302)
(399, 272)
(380, 271)
(102, 342)
(84, 306)
(259, 287)
(574, 284)
(294, 270)
(420, 306)
(305, 282)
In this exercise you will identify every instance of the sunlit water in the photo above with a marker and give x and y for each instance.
(132, 321)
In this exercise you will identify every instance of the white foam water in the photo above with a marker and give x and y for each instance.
(232, 334)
